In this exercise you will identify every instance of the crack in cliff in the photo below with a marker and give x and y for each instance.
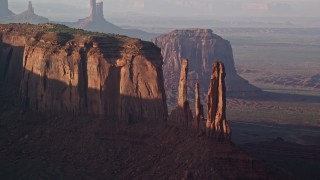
(99, 69)
(25, 94)
(131, 68)
(83, 79)
(148, 88)
(139, 95)
(45, 77)
(7, 63)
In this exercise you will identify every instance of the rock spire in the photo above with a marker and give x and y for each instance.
(182, 91)
(30, 8)
(217, 125)
(93, 9)
(199, 116)
(182, 113)
(96, 10)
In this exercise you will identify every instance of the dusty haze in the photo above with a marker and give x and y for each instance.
(61, 10)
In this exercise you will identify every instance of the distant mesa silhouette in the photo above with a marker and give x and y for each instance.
(94, 22)
(4, 9)
(27, 16)
(97, 22)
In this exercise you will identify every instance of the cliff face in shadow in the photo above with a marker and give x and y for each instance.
(82, 72)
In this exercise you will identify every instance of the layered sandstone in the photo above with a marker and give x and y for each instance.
(217, 125)
(202, 47)
(66, 70)
(182, 113)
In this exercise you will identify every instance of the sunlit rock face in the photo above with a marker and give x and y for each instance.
(217, 125)
(202, 47)
(182, 113)
(81, 72)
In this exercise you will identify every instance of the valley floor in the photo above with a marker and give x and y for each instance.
(43, 146)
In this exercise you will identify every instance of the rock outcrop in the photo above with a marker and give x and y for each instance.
(63, 70)
(202, 47)
(217, 125)
(96, 11)
(97, 22)
(4, 9)
(198, 107)
(182, 91)
(182, 113)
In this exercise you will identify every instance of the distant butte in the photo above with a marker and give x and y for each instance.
(97, 22)
(202, 47)
(27, 16)
(4, 9)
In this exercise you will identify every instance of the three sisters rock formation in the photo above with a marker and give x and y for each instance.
(216, 125)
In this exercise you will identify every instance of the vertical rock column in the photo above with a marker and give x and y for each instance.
(182, 91)
(99, 11)
(30, 8)
(217, 125)
(93, 9)
(182, 113)
(198, 107)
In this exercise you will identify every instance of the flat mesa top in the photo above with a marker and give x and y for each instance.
(56, 28)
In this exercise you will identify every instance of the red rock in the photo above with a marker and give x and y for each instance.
(202, 47)
(182, 113)
(217, 125)
(182, 91)
(64, 73)
(198, 107)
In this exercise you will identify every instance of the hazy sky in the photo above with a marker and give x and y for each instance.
(75, 9)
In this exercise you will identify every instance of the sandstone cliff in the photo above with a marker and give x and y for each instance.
(68, 70)
(202, 47)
